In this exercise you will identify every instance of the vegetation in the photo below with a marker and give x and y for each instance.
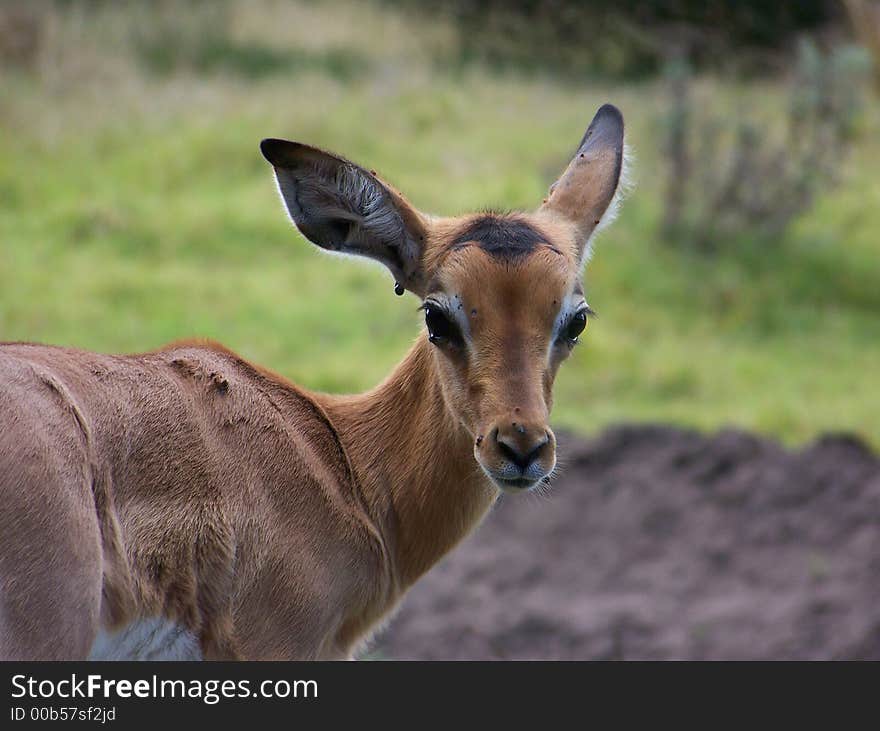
(633, 39)
(732, 174)
(135, 209)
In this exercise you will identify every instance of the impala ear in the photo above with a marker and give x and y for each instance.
(341, 207)
(586, 192)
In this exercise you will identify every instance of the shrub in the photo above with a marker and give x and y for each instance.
(732, 177)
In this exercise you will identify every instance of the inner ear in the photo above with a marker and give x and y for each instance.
(342, 207)
(586, 191)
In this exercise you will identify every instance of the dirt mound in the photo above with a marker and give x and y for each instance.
(659, 543)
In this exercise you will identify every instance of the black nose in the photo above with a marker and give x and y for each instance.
(522, 445)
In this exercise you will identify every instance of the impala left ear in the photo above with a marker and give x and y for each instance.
(585, 193)
(342, 207)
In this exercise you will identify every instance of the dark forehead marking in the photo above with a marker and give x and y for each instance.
(501, 236)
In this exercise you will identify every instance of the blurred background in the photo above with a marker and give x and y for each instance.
(739, 289)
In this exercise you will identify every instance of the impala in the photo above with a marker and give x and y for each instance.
(185, 503)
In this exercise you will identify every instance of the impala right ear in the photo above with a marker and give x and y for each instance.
(585, 193)
(341, 207)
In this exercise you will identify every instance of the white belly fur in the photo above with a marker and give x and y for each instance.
(147, 639)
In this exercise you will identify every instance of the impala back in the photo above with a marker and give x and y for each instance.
(164, 484)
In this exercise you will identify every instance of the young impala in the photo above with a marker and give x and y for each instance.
(185, 503)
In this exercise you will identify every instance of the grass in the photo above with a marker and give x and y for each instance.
(135, 209)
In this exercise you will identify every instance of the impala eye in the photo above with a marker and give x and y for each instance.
(575, 326)
(440, 328)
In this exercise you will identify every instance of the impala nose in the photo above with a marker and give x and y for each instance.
(521, 444)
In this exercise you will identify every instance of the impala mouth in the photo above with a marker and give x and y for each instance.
(516, 484)
(508, 478)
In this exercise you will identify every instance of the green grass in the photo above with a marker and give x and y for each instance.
(135, 209)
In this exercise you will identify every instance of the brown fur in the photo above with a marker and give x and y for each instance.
(272, 522)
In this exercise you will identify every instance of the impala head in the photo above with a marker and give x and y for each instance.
(501, 292)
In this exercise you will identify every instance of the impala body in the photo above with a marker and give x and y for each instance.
(187, 504)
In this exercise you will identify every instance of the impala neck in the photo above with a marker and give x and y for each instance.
(414, 463)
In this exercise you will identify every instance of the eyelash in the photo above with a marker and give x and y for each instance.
(450, 332)
(445, 330)
(564, 337)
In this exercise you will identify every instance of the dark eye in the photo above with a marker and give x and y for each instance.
(575, 326)
(440, 328)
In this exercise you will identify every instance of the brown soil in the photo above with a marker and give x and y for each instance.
(659, 543)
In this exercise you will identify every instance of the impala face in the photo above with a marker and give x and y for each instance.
(503, 308)
(501, 293)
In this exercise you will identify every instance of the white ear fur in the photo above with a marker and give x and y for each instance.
(625, 185)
